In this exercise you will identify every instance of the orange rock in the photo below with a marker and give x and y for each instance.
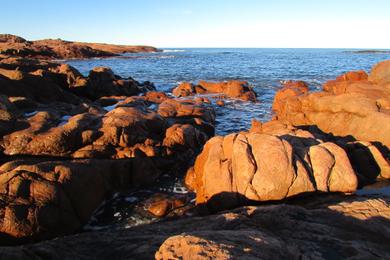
(256, 126)
(290, 89)
(232, 89)
(156, 97)
(349, 106)
(380, 73)
(220, 103)
(46, 199)
(244, 165)
(159, 208)
(183, 90)
(160, 205)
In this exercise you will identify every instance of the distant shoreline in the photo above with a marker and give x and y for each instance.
(57, 49)
(370, 51)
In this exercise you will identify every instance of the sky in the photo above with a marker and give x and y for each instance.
(204, 23)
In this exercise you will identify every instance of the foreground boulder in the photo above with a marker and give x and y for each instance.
(227, 89)
(45, 199)
(355, 105)
(331, 227)
(265, 167)
(12, 45)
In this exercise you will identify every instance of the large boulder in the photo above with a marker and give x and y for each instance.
(45, 199)
(350, 106)
(243, 167)
(231, 89)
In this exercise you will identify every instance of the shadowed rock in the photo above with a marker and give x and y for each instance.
(328, 228)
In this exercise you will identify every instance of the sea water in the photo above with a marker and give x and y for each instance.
(264, 69)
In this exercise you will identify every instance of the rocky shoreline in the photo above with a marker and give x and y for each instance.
(71, 142)
(16, 46)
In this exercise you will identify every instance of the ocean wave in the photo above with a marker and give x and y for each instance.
(163, 57)
(173, 51)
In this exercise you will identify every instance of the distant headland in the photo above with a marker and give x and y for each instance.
(370, 51)
(12, 45)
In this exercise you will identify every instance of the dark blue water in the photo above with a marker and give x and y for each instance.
(262, 68)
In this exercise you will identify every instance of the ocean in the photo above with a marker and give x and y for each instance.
(264, 69)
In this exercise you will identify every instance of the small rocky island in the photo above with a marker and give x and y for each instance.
(287, 188)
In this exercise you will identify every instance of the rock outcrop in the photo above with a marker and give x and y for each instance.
(46, 82)
(15, 46)
(121, 139)
(268, 165)
(44, 199)
(331, 227)
(355, 105)
(227, 89)
(127, 129)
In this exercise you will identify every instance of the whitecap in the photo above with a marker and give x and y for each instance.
(167, 50)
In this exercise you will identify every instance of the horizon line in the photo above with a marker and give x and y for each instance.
(222, 47)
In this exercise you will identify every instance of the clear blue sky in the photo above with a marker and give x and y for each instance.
(203, 23)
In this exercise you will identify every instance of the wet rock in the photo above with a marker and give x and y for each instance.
(351, 226)
(231, 89)
(156, 97)
(220, 103)
(161, 205)
(159, 208)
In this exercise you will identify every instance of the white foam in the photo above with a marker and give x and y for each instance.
(164, 57)
(180, 190)
(110, 108)
(30, 114)
(173, 51)
(153, 107)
